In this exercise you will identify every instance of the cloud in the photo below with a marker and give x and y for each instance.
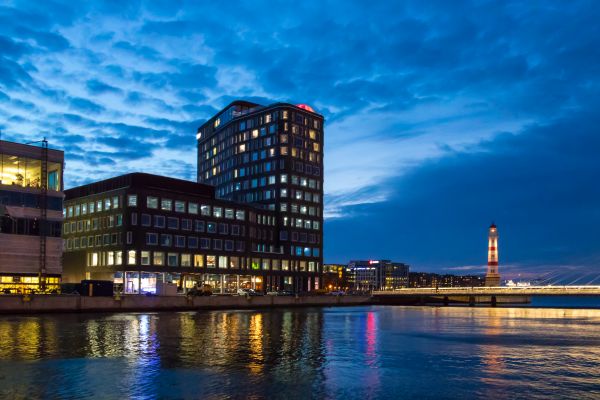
(96, 87)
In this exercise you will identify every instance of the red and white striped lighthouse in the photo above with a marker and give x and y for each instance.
(492, 276)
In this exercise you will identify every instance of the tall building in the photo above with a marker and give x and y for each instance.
(377, 275)
(31, 204)
(272, 157)
(492, 277)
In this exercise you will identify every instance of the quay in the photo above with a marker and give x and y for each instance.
(20, 304)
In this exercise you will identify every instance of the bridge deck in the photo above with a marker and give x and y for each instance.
(495, 291)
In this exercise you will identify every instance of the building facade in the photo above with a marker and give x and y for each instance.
(142, 230)
(271, 157)
(31, 203)
(431, 280)
(334, 277)
(367, 275)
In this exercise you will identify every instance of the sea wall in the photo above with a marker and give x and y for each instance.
(18, 304)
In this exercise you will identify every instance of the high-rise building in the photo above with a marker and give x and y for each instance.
(272, 157)
(492, 277)
(31, 205)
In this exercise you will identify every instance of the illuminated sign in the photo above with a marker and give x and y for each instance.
(305, 107)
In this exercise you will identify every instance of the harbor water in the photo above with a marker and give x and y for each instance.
(366, 352)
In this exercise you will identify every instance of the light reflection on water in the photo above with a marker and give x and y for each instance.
(359, 352)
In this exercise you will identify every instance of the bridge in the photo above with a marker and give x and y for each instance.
(584, 290)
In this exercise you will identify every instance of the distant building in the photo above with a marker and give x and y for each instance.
(492, 277)
(377, 275)
(31, 206)
(431, 280)
(335, 277)
(140, 229)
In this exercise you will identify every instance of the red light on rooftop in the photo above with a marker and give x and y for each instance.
(305, 107)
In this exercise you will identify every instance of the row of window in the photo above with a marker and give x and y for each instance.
(106, 204)
(93, 224)
(174, 259)
(193, 242)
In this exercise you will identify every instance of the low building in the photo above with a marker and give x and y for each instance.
(142, 230)
(431, 280)
(334, 277)
(377, 275)
(31, 205)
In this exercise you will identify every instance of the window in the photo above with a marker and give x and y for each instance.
(223, 229)
(180, 206)
(146, 220)
(186, 224)
(235, 230)
(198, 260)
(283, 192)
(193, 208)
(145, 258)
(234, 262)
(115, 202)
(193, 242)
(151, 239)
(217, 244)
(131, 257)
(159, 221)
(186, 260)
(99, 205)
(166, 240)
(240, 215)
(173, 223)
(106, 204)
(204, 243)
(159, 258)
(91, 207)
(179, 241)
(211, 261)
(152, 202)
(173, 259)
(119, 221)
(118, 257)
(222, 262)
(217, 212)
(132, 200)
(211, 227)
(205, 210)
(229, 213)
(199, 226)
(166, 204)
(229, 245)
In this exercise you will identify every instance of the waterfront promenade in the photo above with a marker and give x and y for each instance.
(18, 304)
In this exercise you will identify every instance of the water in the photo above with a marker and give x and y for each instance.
(351, 353)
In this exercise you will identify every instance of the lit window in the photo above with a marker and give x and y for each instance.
(131, 257)
(240, 215)
(132, 200)
(145, 258)
(152, 202)
(193, 208)
(217, 212)
(186, 260)
(205, 210)
(173, 260)
(159, 258)
(166, 204)
(180, 206)
(211, 261)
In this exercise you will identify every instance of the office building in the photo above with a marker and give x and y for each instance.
(272, 157)
(431, 280)
(31, 203)
(142, 230)
(367, 275)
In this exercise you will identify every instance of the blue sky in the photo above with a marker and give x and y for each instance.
(441, 115)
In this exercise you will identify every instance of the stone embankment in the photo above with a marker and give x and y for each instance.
(19, 304)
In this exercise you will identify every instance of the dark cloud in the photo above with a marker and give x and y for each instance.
(85, 105)
(95, 87)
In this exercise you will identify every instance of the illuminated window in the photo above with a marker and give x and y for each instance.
(217, 212)
(186, 260)
(173, 260)
(198, 260)
(193, 208)
(159, 258)
(180, 206)
(131, 254)
(132, 200)
(166, 204)
(152, 202)
(222, 262)
(229, 213)
(145, 258)
(211, 261)
(255, 133)
(205, 210)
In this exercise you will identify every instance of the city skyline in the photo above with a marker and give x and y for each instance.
(438, 119)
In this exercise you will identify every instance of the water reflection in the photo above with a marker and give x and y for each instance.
(361, 352)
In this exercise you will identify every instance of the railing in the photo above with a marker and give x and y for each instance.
(494, 291)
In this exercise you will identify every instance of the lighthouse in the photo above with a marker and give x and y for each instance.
(492, 277)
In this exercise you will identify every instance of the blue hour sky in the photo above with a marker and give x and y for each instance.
(441, 115)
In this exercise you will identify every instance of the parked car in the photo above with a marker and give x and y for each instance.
(337, 293)
(248, 292)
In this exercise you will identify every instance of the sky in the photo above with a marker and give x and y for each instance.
(441, 116)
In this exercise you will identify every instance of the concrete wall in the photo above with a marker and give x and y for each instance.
(21, 254)
(16, 304)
